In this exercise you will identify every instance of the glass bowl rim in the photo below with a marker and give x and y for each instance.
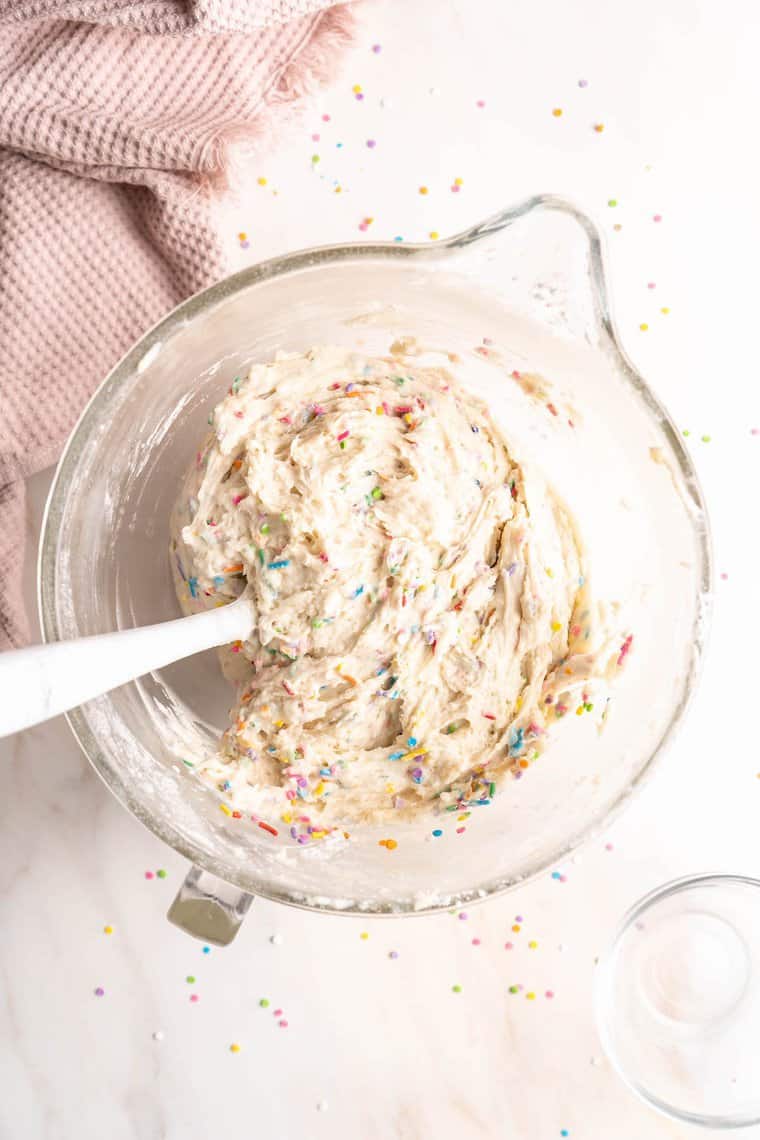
(137, 358)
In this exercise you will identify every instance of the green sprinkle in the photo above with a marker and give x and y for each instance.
(315, 159)
(343, 445)
(317, 623)
(260, 553)
(264, 1003)
(456, 989)
(189, 763)
(492, 789)
(612, 202)
(189, 979)
(265, 528)
(685, 432)
(377, 493)
(514, 989)
(706, 438)
(161, 874)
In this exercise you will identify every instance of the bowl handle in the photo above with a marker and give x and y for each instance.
(209, 908)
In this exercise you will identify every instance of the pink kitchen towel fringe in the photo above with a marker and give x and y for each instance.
(120, 123)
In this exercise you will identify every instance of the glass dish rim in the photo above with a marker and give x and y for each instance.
(603, 1003)
(140, 352)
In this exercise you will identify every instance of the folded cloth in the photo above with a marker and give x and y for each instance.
(119, 124)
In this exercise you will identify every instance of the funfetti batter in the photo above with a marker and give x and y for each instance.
(422, 613)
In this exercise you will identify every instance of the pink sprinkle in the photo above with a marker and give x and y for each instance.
(460, 830)
(480, 103)
(724, 576)
(238, 498)
(625, 649)
(476, 942)
(609, 847)
(277, 1013)
(552, 409)
(288, 689)
(149, 875)
(325, 118)
(509, 946)
(323, 557)
(550, 993)
(343, 435)
(657, 218)
(563, 878)
(651, 285)
(363, 227)
(489, 716)
(285, 419)
(283, 1024)
(290, 795)
(315, 138)
(371, 143)
(455, 189)
(754, 431)
(194, 998)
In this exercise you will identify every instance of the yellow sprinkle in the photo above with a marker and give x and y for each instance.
(598, 127)
(108, 930)
(458, 182)
(532, 945)
(279, 723)
(423, 189)
(433, 235)
(338, 190)
(549, 572)
(516, 928)
(556, 626)
(242, 235)
(364, 936)
(261, 181)
(531, 996)
(665, 310)
(644, 327)
(320, 834)
(557, 112)
(579, 710)
(408, 417)
(391, 844)
(234, 1048)
(286, 817)
(225, 809)
(319, 789)
(380, 411)
(356, 88)
(390, 790)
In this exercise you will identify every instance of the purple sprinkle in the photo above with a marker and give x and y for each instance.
(376, 49)
(463, 916)
(99, 991)
(518, 918)
(371, 143)
(359, 96)
(583, 82)
(511, 568)
(393, 954)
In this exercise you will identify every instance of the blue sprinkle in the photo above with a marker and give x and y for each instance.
(325, 772)
(398, 239)
(218, 580)
(379, 672)
(437, 832)
(412, 741)
(581, 581)
(516, 741)
(226, 786)
(359, 590)
(206, 949)
(278, 565)
(556, 875)
(396, 755)
(193, 584)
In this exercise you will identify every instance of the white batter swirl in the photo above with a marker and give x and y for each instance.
(421, 600)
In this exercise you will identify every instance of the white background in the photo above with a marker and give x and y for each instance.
(384, 1045)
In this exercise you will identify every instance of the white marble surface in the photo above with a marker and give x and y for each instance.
(383, 1045)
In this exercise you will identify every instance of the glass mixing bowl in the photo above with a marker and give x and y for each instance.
(525, 291)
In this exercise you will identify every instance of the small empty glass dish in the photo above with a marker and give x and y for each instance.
(678, 1000)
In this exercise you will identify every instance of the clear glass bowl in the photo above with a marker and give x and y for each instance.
(678, 1000)
(523, 290)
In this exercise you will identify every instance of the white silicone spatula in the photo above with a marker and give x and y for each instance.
(44, 680)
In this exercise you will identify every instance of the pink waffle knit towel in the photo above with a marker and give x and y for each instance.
(118, 122)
